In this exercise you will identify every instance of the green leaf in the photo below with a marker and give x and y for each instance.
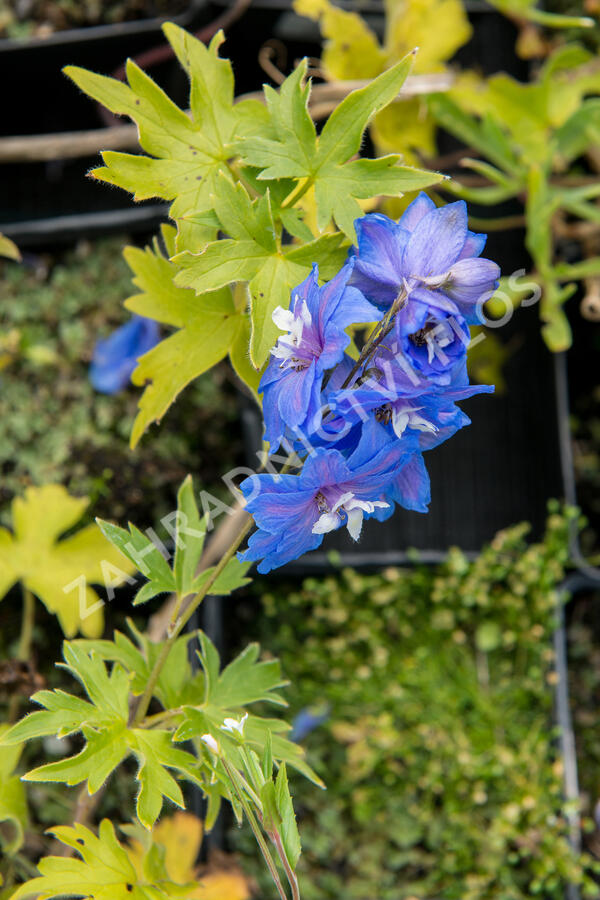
(13, 803)
(186, 152)
(104, 871)
(580, 131)
(57, 571)
(189, 538)
(587, 268)
(289, 829)
(239, 357)
(271, 287)
(243, 682)
(142, 553)
(271, 818)
(296, 152)
(208, 326)
(104, 725)
(176, 684)
(489, 142)
(230, 579)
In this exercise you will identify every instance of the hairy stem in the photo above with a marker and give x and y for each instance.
(260, 840)
(178, 624)
(291, 875)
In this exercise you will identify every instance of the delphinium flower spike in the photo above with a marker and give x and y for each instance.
(364, 423)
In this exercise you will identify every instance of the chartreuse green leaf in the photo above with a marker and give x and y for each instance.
(207, 328)
(103, 720)
(59, 571)
(186, 152)
(13, 804)
(227, 693)
(104, 871)
(296, 152)
(252, 253)
(189, 531)
(176, 684)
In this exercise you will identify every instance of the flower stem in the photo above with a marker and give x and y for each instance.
(291, 875)
(178, 623)
(379, 334)
(296, 194)
(260, 840)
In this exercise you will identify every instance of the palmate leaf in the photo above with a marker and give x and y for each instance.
(207, 328)
(103, 722)
(252, 253)
(186, 152)
(59, 571)
(296, 151)
(189, 532)
(228, 693)
(104, 871)
(173, 849)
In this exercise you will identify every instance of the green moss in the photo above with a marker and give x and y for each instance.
(440, 754)
(55, 428)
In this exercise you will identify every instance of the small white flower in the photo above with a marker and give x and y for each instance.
(235, 725)
(210, 742)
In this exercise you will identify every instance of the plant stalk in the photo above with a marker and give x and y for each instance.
(291, 875)
(264, 848)
(178, 624)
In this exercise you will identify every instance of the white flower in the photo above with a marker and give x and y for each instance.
(210, 742)
(233, 725)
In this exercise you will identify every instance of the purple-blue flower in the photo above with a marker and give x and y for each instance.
(315, 342)
(115, 357)
(401, 399)
(429, 256)
(293, 512)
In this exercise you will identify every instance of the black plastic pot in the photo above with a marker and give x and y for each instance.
(50, 202)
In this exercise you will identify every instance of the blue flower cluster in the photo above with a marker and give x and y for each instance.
(363, 423)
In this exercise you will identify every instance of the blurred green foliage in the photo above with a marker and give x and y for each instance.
(55, 428)
(27, 18)
(440, 753)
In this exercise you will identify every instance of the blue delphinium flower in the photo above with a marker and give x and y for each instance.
(115, 357)
(315, 342)
(429, 256)
(293, 512)
(364, 423)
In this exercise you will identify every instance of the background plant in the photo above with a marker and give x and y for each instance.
(443, 773)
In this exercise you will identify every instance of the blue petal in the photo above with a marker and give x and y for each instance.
(415, 212)
(115, 357)
(411, 487)
(437, 241)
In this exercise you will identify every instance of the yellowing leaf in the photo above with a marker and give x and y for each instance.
(351, 49)
(226, 885)
(8, 248)
(179, 837)
(104, 871)
(59, 571)
(437, 27)
(406, 128)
